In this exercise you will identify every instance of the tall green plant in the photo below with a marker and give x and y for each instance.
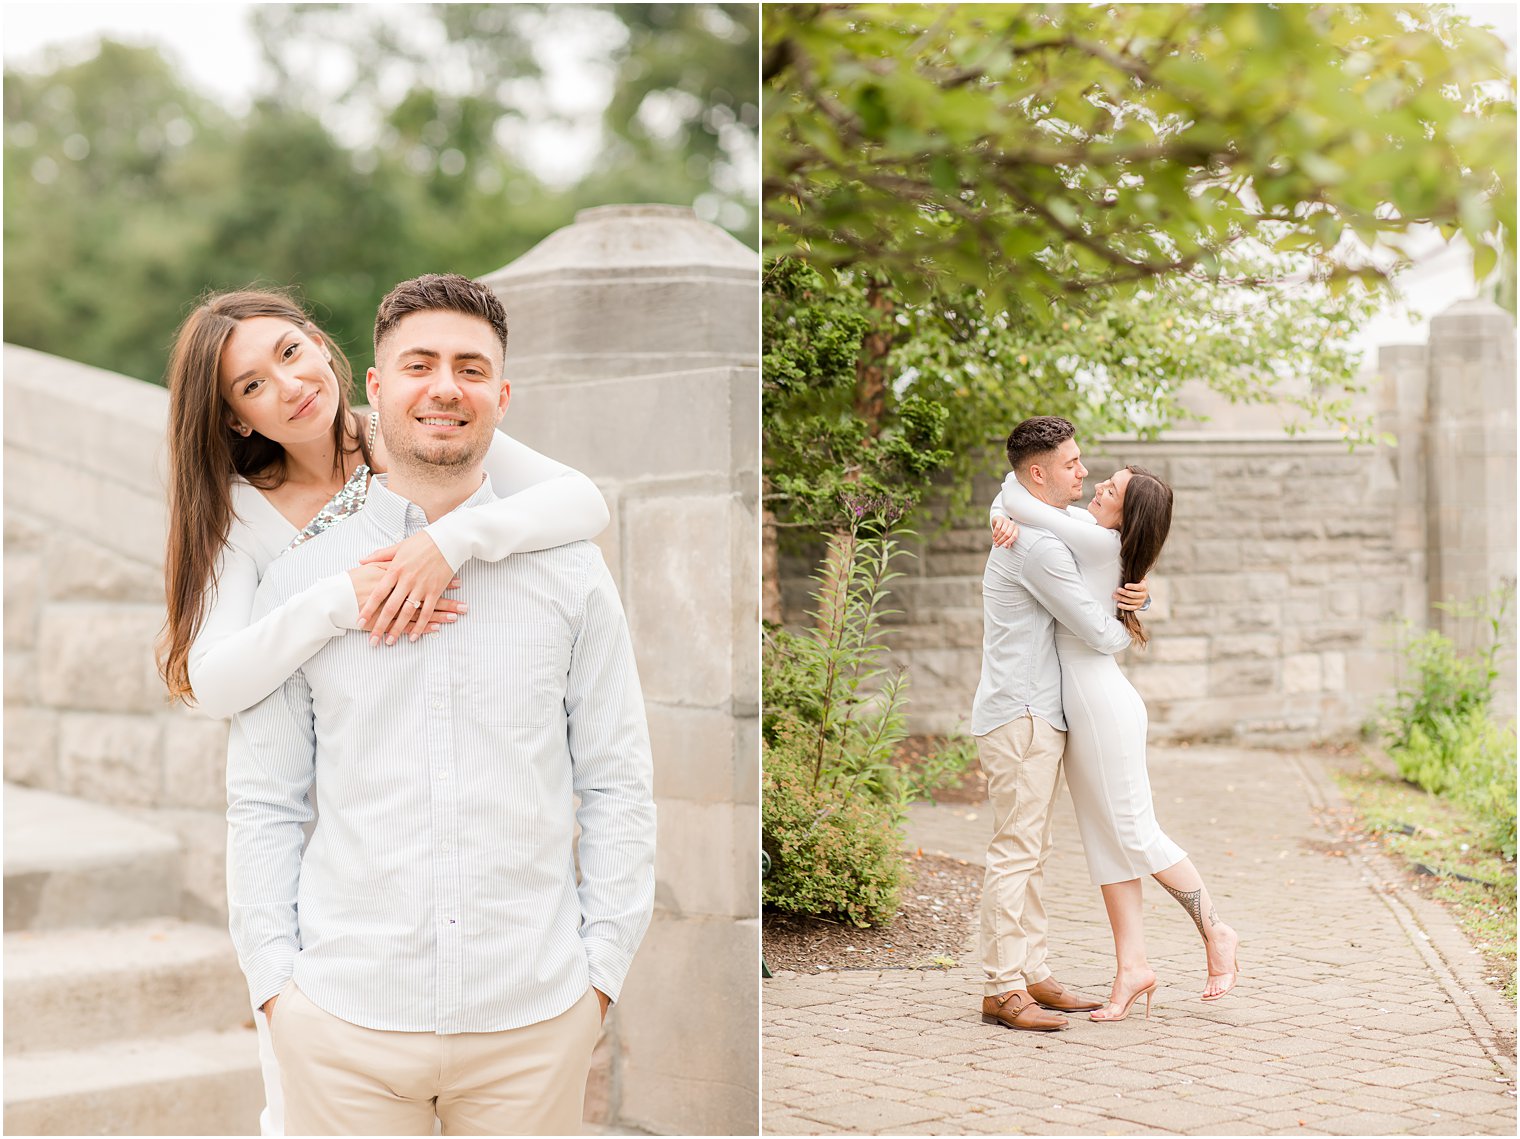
(834, 682)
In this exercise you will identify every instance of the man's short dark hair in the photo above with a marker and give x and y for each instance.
(440, 292)
(1037, 436)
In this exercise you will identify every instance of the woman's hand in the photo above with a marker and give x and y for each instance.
(410, 571)
(367, 578)
(1005, 531)
(1133, 596)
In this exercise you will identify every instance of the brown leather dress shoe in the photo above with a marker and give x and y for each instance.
(1015, 1009)
(1050, 993)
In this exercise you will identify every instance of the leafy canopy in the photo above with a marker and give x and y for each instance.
(1018, 209)
(1043, 151)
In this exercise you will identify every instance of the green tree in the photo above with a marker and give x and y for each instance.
(1078, 210)
(681, 123)
(128, 195)
(1044, 151)
(107, 167)
(686, 101)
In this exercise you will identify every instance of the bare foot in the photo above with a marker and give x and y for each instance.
(1222, 949)
(1127, 987)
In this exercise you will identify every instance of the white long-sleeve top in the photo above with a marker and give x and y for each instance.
(1095, 548)
(235, 662)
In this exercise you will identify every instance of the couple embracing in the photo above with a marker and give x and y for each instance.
(1050, 688)
(401, 613)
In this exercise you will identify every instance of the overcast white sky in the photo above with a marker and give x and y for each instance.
(213, 45)
(210, 42)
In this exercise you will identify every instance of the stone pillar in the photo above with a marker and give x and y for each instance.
(1471, 471)
(633, 349)
(1402, 405)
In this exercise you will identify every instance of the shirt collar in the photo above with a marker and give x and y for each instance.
(390, 510)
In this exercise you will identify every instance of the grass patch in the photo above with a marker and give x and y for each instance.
(1447, 838)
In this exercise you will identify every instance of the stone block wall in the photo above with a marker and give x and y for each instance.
(1291, 562)
(85, 711)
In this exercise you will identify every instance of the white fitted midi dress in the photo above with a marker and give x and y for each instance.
(1106, 720)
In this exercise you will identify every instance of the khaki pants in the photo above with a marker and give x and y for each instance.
(1022, 761)
(341, 1079)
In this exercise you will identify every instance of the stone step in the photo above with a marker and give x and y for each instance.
(204, 1083)
(77, 988)
(70, 864)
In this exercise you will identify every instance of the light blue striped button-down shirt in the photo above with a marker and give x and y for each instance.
(1030, 590)
(439, 889)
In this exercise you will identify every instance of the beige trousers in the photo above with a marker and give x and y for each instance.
(341, 1079)
(1022, 762)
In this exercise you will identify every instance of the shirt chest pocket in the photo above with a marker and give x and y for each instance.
(519, 672)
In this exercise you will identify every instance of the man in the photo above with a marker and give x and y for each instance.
(433, 951)
(1029, 586)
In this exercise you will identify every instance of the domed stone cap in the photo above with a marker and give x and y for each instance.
(1474, 306)
(615, 241)
(1463, 319)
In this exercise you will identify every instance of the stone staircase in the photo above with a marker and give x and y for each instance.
(120, 1019)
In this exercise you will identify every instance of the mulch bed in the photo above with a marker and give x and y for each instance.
(939, 911)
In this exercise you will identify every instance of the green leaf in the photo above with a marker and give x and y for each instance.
(1062, 209)
(942, 173)
(1485, 257)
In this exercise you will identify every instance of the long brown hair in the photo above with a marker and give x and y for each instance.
(205, 452)
(1145, 518)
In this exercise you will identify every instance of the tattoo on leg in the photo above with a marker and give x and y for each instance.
(1213, 915)
(1192, 902)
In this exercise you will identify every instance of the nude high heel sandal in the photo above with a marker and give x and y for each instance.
(1145, 992)
(1234, 976)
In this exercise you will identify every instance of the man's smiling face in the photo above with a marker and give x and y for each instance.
(438, 385)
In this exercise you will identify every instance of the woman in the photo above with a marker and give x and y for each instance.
(265, 453)
(1105, 739)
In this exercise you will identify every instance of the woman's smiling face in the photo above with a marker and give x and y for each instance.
(1107, 505)
(277, 379)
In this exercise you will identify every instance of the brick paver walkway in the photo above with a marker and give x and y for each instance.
(1361, 1012)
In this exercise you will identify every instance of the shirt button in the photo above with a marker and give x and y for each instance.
(443, 775)
(443, 846)
(437, 705)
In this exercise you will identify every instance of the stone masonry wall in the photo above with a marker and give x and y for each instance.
(1268, 600)
(633, 356)
(85, 711)
(1291, 559)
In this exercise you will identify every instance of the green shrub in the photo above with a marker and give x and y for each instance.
(834, 855)
(1439, 732)
(942, 768)
(1487, 781)
(1441, 686)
